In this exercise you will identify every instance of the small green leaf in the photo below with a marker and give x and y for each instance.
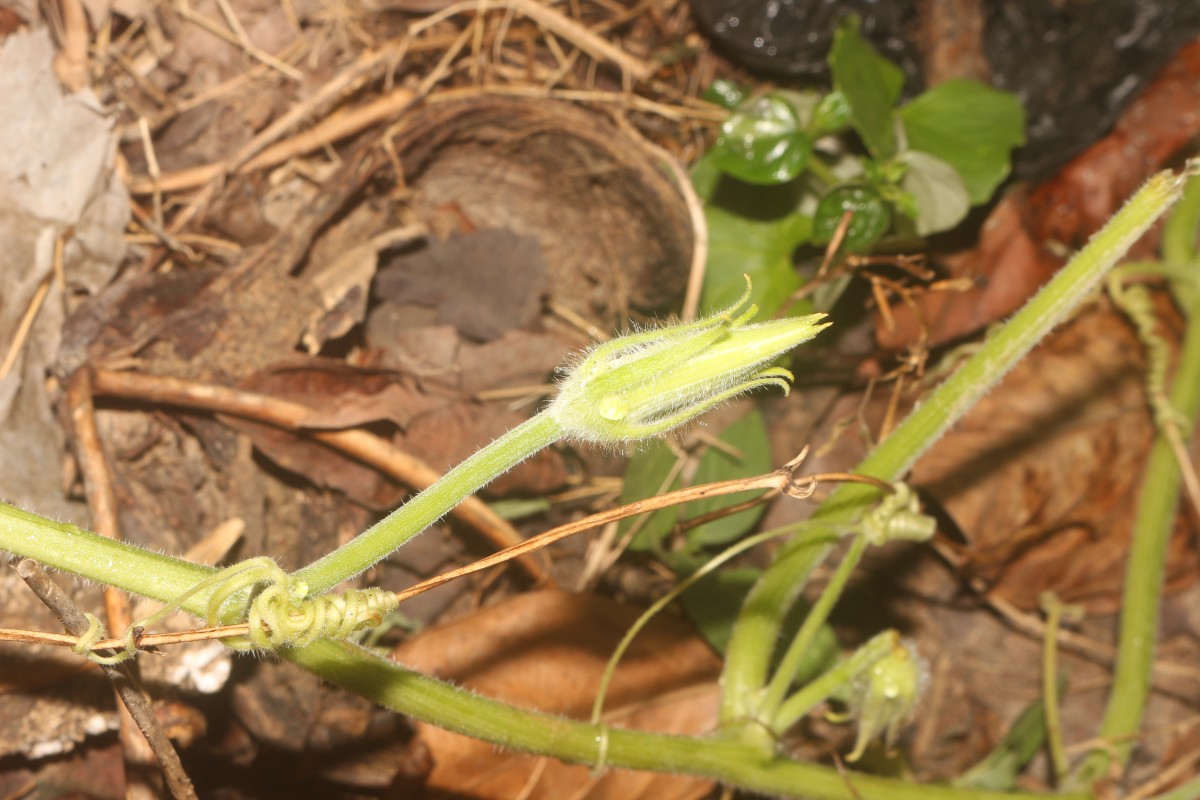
(762, 142)
(941, 197)
(871, 85)
(749, 436)
(871, 220)
(724, 93)
(644, 476)
(972, 127)
(831, 115)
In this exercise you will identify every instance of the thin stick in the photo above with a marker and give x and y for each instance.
(695, 209)
(24, 326)
(335, 127)
(634, 102)
(561, 25)
(102, 504)
(153, 168)
(121, 676)
(362, 445)
(71, 63)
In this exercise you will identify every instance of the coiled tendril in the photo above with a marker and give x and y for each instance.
(278, 614)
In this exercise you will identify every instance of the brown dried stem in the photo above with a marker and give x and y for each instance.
(123, 680)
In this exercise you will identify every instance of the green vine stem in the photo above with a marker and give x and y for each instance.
(807, 531)
(428, 700)
(730, 761)
(69, 548)
(785, 674)
(761, 619)
(1147, 556)
(410, 519)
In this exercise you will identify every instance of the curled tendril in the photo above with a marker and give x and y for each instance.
(898, 517)
(95, 633)
(275, 609)
(1135, 302)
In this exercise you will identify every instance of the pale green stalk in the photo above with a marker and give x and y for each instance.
(730, 761)
(71, 549)
(734, 761)
(391, 532)
(808, 531)
(827, 685)
(1054, 740)
(793, 657)
(407, 692)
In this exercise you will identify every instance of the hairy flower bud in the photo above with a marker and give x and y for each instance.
(649, 382)
(886, 698)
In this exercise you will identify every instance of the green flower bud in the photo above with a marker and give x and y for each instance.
(648, 382)
(886, 698)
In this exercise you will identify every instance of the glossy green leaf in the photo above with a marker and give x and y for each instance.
(763, 142)
(648, 469)
(831, 115)
(871, 220)
(724, 93)
(941, 197)
(972, 127)
(748, 436)
(871, 85)
(752, 230)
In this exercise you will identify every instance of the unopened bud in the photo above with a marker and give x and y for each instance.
(649, 382)
(886, 698)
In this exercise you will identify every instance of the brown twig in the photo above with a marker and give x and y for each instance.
(102, 504)
(71, 63)
(557, 23)
(121, 676)
(362, 445)
(24, 326)
(329, 130)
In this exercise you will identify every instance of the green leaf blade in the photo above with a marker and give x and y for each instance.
(762, 142)
(972, 127)
(871, 86)
(940, 193)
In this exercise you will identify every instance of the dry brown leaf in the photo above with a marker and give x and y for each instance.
(546, 650)
(1042, 475)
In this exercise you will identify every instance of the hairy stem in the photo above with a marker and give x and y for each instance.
(410, 519)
